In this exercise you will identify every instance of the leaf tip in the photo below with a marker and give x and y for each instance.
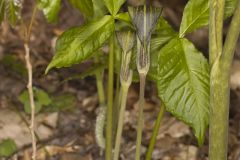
(49, 67)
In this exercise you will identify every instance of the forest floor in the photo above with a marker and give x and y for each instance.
(66, 127)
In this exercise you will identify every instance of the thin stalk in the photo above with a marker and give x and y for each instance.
(120, 121)
(29, 85)
(219, 24)
(219, 89)
(101, 117)
(117, 103)
(232, 37)
(108, 151)
(140, 116)
(155, 133)
(100, 88)
(31, 97)
(215, 29)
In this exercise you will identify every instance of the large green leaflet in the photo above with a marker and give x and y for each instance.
(78, 44)
(182, 76)
(113, 5)
(85, 6)
(196, 15)
(50, 8)
(13, 9)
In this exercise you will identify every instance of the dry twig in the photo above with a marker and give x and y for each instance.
(29, 85)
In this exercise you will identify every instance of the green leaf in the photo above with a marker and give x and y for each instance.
(78, 44)
(13, 9)
(7, 147)
(196, 15)
(2, 10)
(41, 98)
(113, 5)
(50, 8)
(85, 6)
(182, 76)
(24, 99)
(163, 33)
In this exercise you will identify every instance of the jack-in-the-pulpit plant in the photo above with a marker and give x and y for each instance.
(126, 41)
(164, 56)
(144, 19)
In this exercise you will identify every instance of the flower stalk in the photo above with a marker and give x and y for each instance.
(144, 19)
(109, 114)
(126, 41)
(101, 117)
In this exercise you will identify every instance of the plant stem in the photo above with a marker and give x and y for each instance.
(215, 29)
(31, 97)
(101, 117)
(219, 88)
(117, 103)
(29, 85)
(140, 116)
(100, 88)
(120, 122)
(110, 101)
(232, 37)
(155, 133)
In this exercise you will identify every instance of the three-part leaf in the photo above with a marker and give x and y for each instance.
(114, 5)
(196, 15)
(182, 76)
(78, 44)
(50, 8)
(85, 6)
